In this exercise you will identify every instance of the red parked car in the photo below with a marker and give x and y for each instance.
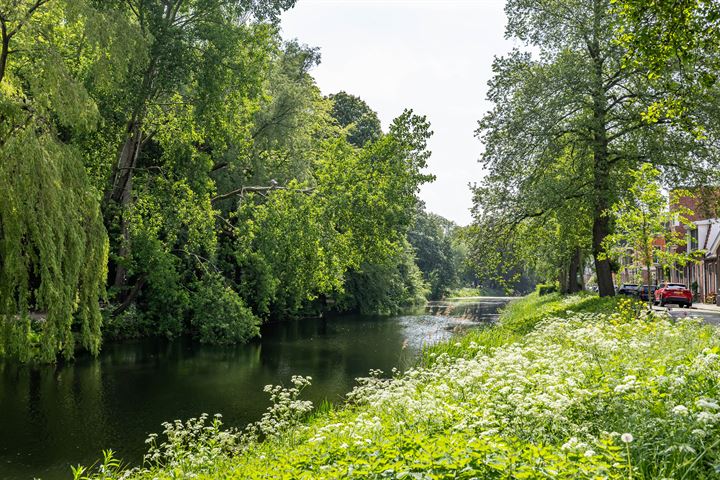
(673, 293)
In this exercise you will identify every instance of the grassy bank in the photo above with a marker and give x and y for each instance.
(573, 387)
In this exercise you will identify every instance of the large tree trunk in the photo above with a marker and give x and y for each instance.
(563, 280)
(601, 161)
(4, 51)
(573, 283)
(122, 174)
(603, 269)
(120, 195)
(601, 226)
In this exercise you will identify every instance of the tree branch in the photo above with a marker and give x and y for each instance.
(243, 190)
(26, 17)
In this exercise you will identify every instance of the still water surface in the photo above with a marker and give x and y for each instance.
(52, 417)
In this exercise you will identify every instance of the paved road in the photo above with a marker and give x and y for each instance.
(711, 315)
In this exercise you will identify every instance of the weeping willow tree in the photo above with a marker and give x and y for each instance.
(53, 245)
(53, 248)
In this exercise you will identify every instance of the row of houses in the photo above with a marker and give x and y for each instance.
(703, 276)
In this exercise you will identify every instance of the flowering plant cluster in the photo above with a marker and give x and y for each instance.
(191, 445)
(285, 414)
(621, 394)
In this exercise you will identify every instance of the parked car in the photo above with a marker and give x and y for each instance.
(645, 292)
(627, 289)
(676, 293)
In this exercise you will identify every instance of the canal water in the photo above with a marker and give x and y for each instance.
(52, 417)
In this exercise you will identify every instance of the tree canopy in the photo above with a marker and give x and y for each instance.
(352, 112)
(170, 167)
(571, 119)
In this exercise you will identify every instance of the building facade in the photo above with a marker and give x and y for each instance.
(703, 241)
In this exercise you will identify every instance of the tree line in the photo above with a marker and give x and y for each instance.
(602, 89)
(171, 167)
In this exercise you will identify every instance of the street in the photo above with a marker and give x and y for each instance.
(710, 313)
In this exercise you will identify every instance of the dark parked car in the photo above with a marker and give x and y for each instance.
(673, 293)
(627, 289)
(645, 292)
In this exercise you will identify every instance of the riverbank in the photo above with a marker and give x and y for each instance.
(116, 399)
(574, 387)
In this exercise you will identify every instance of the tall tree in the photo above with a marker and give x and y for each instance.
(372, 200)
(436, 253)
(576, 103)
(351, 111)
(53, 246)
(189, 43)
(342, 234)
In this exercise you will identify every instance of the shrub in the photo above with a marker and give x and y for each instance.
(128, 324)
(546, 288)
(219, 315)
(163, 302)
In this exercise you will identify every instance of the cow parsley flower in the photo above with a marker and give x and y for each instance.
(680, 410)
(702, 403)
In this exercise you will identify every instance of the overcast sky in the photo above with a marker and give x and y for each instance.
(434, 56)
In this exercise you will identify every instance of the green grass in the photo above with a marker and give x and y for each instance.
(551, 391)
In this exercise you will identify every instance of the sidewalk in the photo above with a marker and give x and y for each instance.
(710, 313)
(708, 307)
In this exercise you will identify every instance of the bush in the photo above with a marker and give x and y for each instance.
(546, 288)
(163, 302)
(128, 324)
(219, 315)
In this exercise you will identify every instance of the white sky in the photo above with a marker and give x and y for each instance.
(432, 56)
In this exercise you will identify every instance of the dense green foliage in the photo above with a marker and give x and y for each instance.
(678, 43)
(564, 387)
(643, 220)
(179, 153)
(573, 116)
(441, 253)
(53, 246)
(353, 113)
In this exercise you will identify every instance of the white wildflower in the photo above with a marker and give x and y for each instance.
(680, 410)
(702, 403)
(706, 417)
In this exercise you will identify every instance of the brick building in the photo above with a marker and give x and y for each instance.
(702, 277)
